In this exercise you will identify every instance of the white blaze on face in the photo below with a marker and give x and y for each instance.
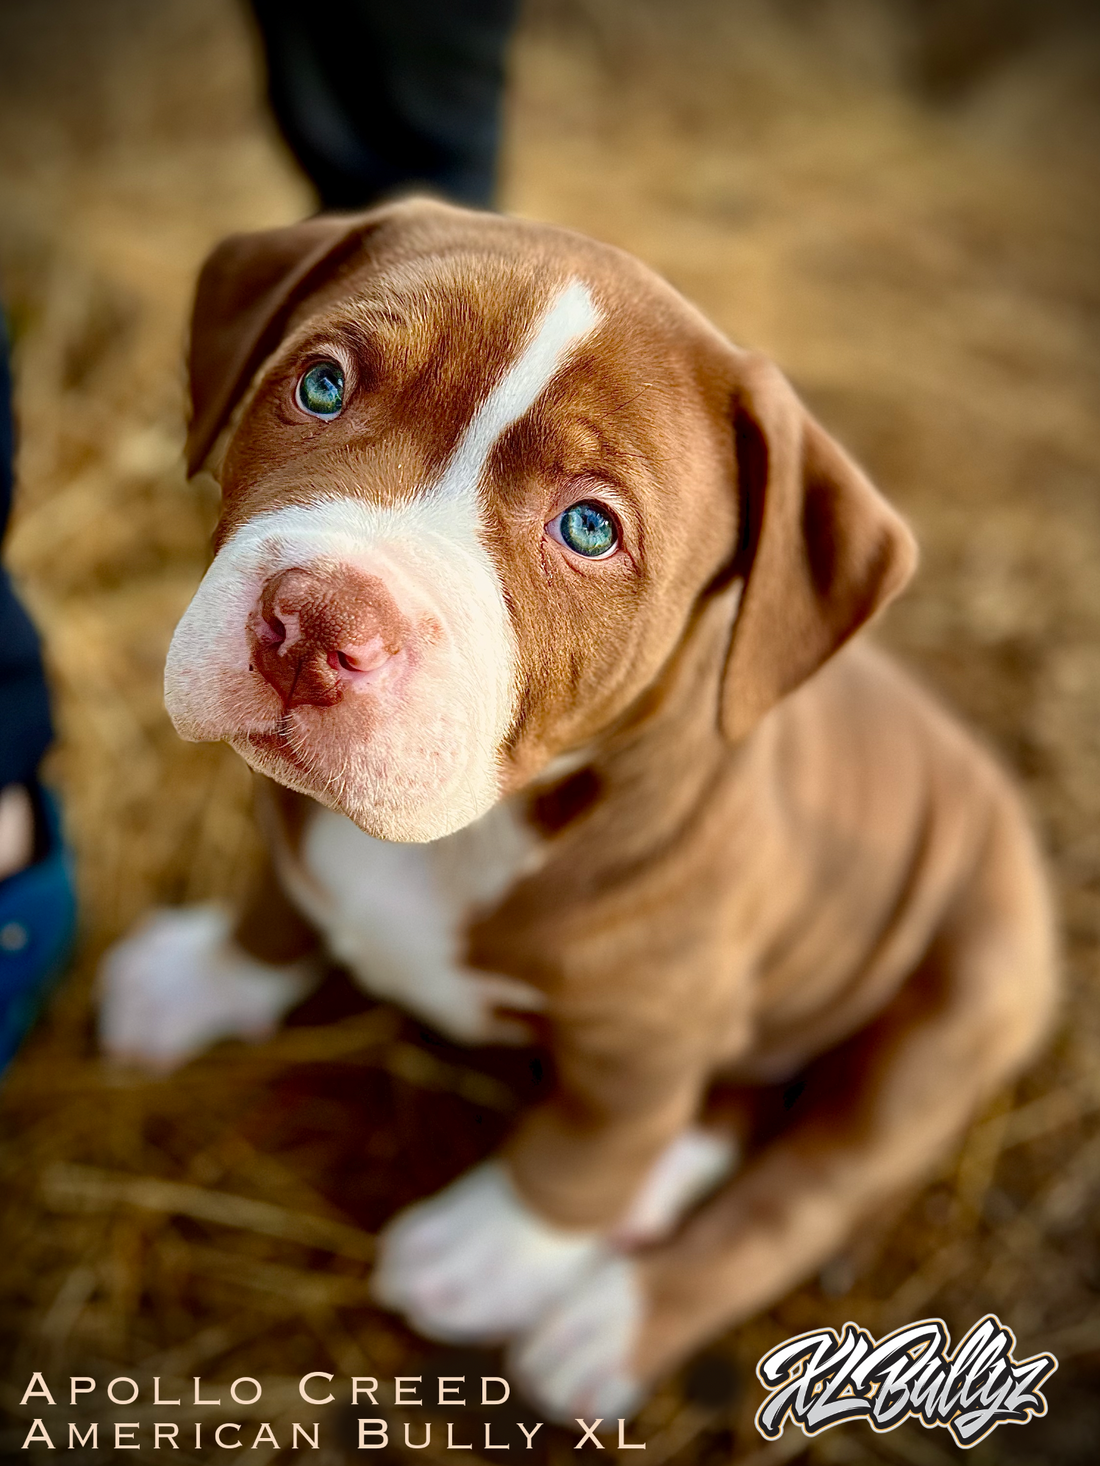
(415, 756)
(570, 317)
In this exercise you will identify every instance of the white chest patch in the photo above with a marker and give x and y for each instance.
(395, 915)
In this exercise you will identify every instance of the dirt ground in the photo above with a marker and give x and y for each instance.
(897, 200)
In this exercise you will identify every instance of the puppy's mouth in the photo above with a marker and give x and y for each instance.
(270, 740)
(280, 752)
(277, 742)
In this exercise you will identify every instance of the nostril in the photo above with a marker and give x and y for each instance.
(361, 659)
(272, 631)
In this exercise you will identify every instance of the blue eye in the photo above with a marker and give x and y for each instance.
(587, 529)
(321, 390)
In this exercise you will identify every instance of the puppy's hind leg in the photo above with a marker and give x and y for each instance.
(185, 978)
(880, 1110)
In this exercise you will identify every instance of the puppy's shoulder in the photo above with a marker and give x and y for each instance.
(865, 739)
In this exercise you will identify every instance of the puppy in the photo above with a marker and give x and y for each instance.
(533, 602)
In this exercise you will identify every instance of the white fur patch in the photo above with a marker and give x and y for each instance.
(423, 759)
(474, 1264)
(394, 915)
(576, 1361)
(690, 1167)
(176, 984)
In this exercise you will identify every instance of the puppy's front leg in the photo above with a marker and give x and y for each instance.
(475, 1263)
(484, 1261)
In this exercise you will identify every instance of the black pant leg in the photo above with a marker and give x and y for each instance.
(375, 96)
(25, 730)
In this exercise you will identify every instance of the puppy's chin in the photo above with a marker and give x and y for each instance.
(413, 773)
(394, 786)
(410, 763)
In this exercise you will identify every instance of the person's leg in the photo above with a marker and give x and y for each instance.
(25, 730)
(37, 908)
(386, 96)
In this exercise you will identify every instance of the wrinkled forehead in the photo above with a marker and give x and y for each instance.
(462, 315)
(440, 333)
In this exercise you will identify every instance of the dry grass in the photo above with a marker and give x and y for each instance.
(928, 277)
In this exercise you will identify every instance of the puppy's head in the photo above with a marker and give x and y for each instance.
(479, 476)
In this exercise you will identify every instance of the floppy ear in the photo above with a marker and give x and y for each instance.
(247, 289)
(822, 550)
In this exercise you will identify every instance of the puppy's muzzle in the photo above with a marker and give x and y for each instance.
(317, 636)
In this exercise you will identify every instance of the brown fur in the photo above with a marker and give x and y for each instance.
(780, 857)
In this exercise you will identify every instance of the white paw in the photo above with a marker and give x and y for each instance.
(465, 1006)
(177, 984)
(684, 1172)
(474, 1264)
(460, 1002)
(576, 1360)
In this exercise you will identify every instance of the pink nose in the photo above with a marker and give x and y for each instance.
(313, 634)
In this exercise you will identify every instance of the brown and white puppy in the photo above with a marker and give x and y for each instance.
(540, 591)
